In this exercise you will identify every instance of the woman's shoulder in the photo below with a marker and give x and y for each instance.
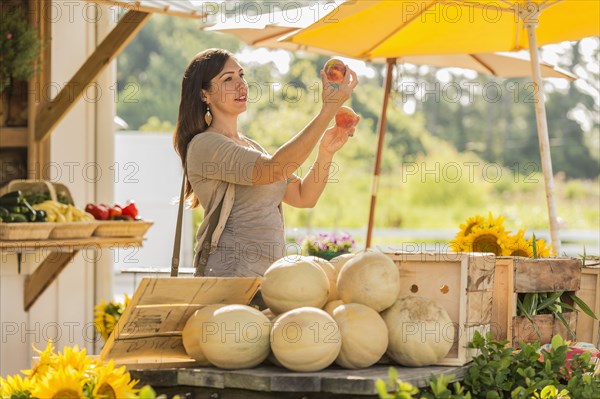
(256, 144)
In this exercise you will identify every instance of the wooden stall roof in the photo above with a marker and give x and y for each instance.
(139, 11)
(179, 8)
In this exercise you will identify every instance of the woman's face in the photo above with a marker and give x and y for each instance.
(228, 92)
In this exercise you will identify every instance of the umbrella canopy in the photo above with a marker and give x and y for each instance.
(408, 27)
(271, 30)
(399, 28)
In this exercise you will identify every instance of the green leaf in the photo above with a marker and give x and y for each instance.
(550, 299)
(560, 317)
(557, 341)
(147, 393)
(582, 305)
(382, 389)
(524, 313)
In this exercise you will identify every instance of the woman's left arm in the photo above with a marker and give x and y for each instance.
(305, 192)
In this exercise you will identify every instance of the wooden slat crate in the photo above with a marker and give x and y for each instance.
(589, 292)
(514, 275)
(462, 283)
(149, 332)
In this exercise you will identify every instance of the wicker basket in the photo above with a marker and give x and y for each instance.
(33, 186)
(25, 231)
(121, 228)
(73, 230)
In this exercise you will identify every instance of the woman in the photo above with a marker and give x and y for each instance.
(239, 185)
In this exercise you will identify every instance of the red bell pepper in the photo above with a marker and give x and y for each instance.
(130, 210)
(100, 212)
(115, 213)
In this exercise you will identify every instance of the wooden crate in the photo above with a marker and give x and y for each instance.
(514, 275)
(148, 335)
(462, 283)
(589, 291)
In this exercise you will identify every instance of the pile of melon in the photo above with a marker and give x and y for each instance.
(347, 311)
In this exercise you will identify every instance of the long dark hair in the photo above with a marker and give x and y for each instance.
(190, 122)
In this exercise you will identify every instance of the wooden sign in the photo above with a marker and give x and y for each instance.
(149, 332)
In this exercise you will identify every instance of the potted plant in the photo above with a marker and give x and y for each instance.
(19, 49)
(327, 246)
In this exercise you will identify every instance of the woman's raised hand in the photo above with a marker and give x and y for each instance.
(335, 137)
(336, 94)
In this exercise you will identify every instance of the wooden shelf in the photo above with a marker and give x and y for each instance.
(13, 136)
(71, 244)
(60, 253)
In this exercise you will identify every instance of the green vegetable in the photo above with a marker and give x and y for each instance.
(17, 218)
(4, 212)
(13, 194)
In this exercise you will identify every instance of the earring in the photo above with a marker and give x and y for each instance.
(208, 116)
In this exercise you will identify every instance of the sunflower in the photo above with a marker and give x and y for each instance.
(487, 239)
(517, 245)
(72, 357)
(460, 243)
(106, 316)
(14, 387)
(544, 250)
(495, 222)
(44, 363)
(113, 383)
(60, 383)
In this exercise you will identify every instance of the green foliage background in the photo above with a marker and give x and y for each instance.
(448, 160)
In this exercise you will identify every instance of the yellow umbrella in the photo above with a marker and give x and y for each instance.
(392, 28)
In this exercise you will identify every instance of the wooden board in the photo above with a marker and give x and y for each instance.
(504, 300)
(266, 379)
(589, 292)
(514, 275)
(546, 274)
(547, 326)
(462, 283)
(149, 332)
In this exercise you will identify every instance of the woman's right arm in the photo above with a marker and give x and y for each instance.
(290, 156)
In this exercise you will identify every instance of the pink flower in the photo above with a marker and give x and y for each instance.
(9, 36)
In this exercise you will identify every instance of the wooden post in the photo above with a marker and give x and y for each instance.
(50, 115)
(542, 127)
(380, 141)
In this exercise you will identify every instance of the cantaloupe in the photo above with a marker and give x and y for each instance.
(236, 337)
(421, 332)
(305, 339)
(370, 278)
(331, 273)
(192, 334)
(364, 335)
(292, 284)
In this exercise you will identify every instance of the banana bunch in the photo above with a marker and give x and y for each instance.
(57, 212)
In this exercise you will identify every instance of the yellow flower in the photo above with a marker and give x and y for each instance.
(106, 316)
(113, 383)
(61, 383)
(16, 385)
(487, 239)
(480, 235)
(495, 222)
(72, 357)
(43, 365)
(460, 241)
(517, 245)
(471, 222)
(544, 250)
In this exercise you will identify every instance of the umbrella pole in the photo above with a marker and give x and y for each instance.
(542, 127)
(380, 140)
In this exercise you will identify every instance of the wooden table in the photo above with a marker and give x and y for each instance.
(270, 382)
